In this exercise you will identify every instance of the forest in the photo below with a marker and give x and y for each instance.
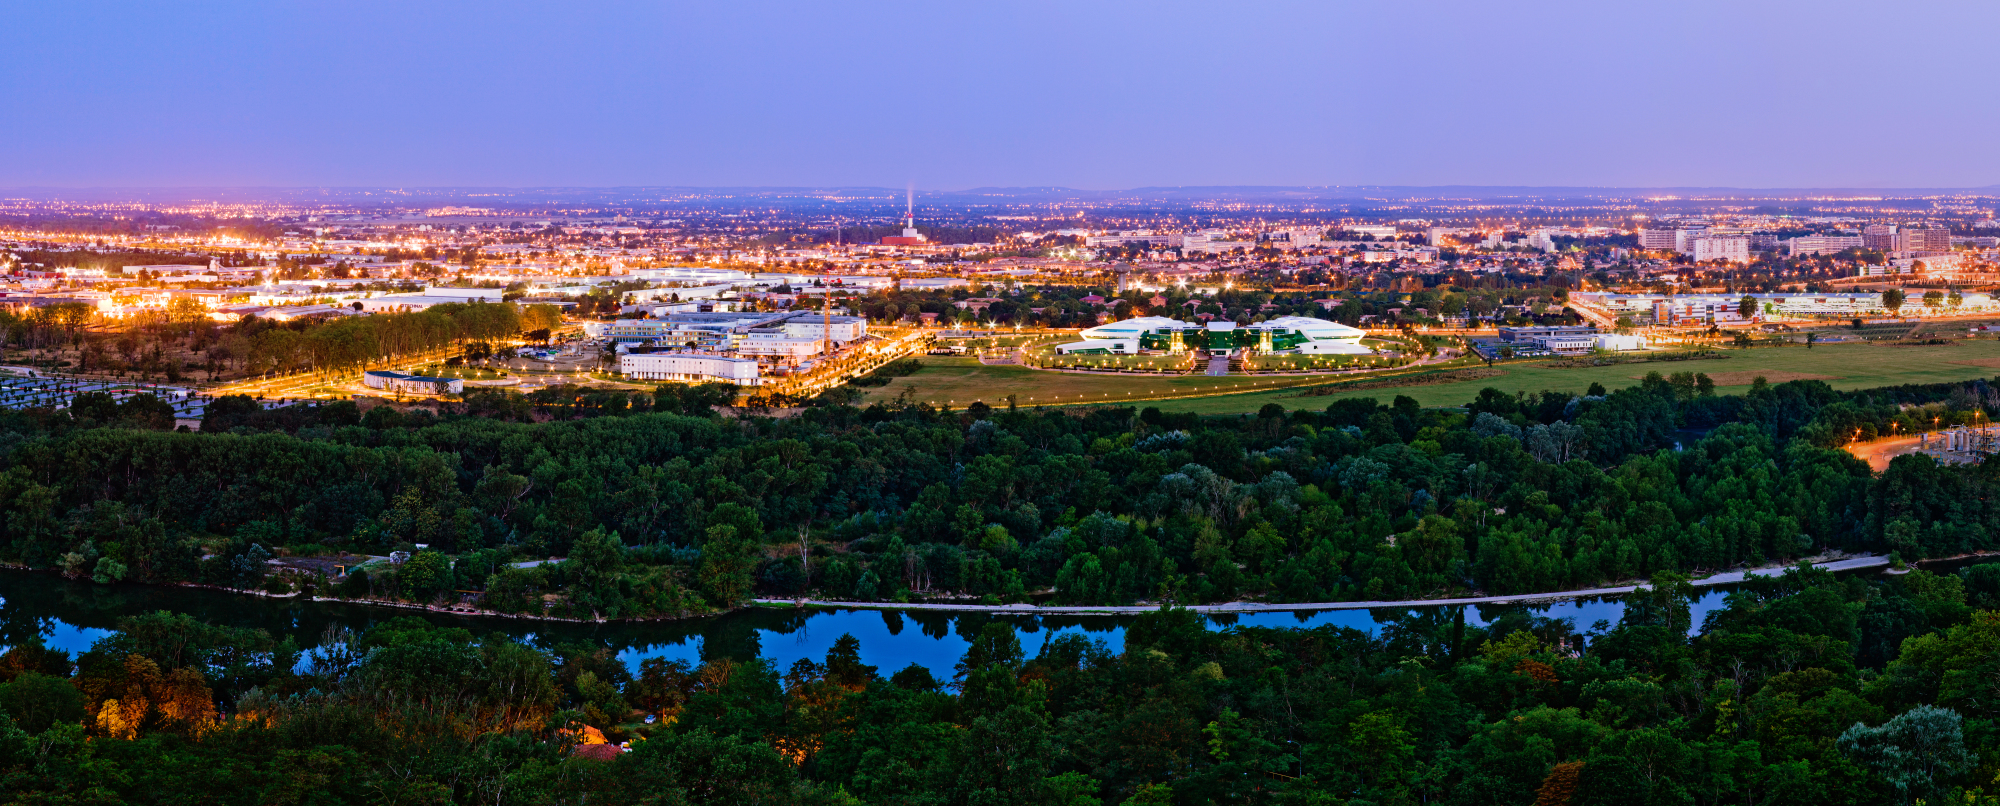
(1806, 689)
(1787, 695)
(664, 507)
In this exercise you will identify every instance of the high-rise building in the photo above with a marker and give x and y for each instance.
(1735, 250)
(1923, 239)
(1880, 237)
(1684, 239)
(1656, 239)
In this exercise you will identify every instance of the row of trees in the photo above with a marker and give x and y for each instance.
(1359, 500)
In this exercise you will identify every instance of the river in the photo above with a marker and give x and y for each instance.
(71, 615)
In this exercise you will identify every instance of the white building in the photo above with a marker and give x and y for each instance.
(690, 367)
(1822, 244)
(1213, 242)
(841, 329)
(778, 345)
(1614, 341)
(1377, 230)
(1734, 250)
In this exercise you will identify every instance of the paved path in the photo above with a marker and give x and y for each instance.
(1218, 364)
(1727, 578)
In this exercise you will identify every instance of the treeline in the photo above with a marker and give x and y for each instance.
(1805, 689)
(349, 343)
(687, 512)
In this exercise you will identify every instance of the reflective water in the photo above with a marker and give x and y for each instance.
(72, 615)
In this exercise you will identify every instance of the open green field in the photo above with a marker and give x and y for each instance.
(960, 381)
(1843, 366)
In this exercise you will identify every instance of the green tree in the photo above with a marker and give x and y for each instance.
(1916, 752)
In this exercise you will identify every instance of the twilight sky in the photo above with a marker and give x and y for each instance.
(953, 95)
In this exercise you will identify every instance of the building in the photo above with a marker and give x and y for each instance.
(1131, 239)
(1383, 231)
(403, 382)
(1532, 332)
(1879, 237)
(1620, 342)
(691, 367)
(1822, 244)
(774, 344)
(1923, 239)
(1657, 239)
(1734, 250)
(1212, 242)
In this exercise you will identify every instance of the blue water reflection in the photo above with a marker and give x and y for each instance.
(73, 615)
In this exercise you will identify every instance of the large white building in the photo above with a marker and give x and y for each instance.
(1822, 244)
(1734, 250)
(690, 367)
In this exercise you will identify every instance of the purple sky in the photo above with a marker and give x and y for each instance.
(963, 94)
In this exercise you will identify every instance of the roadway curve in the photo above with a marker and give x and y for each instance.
(1727, 578)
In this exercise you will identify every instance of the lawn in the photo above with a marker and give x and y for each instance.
(957, 381)
(1844, 366)
(960, 380)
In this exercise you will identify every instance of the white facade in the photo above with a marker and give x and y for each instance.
(1734, 250)
(841, 329)
(1614, 341)
(1213, 241)
(1120, 346)
(1822, 244)
(1684, 239)
(778, 346)
(694, 367)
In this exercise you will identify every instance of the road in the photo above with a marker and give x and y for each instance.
(1727, 578)
(1879, 453)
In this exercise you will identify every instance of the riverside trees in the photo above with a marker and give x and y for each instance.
(1359, 500)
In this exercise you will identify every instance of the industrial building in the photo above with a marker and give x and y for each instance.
(695, 367)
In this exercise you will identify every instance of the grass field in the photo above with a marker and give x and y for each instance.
(960, 381)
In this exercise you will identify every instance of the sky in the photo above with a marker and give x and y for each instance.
(956, 95)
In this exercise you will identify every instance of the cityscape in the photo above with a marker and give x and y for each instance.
(1079, 405)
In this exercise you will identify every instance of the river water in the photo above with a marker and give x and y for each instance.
(71, 615)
